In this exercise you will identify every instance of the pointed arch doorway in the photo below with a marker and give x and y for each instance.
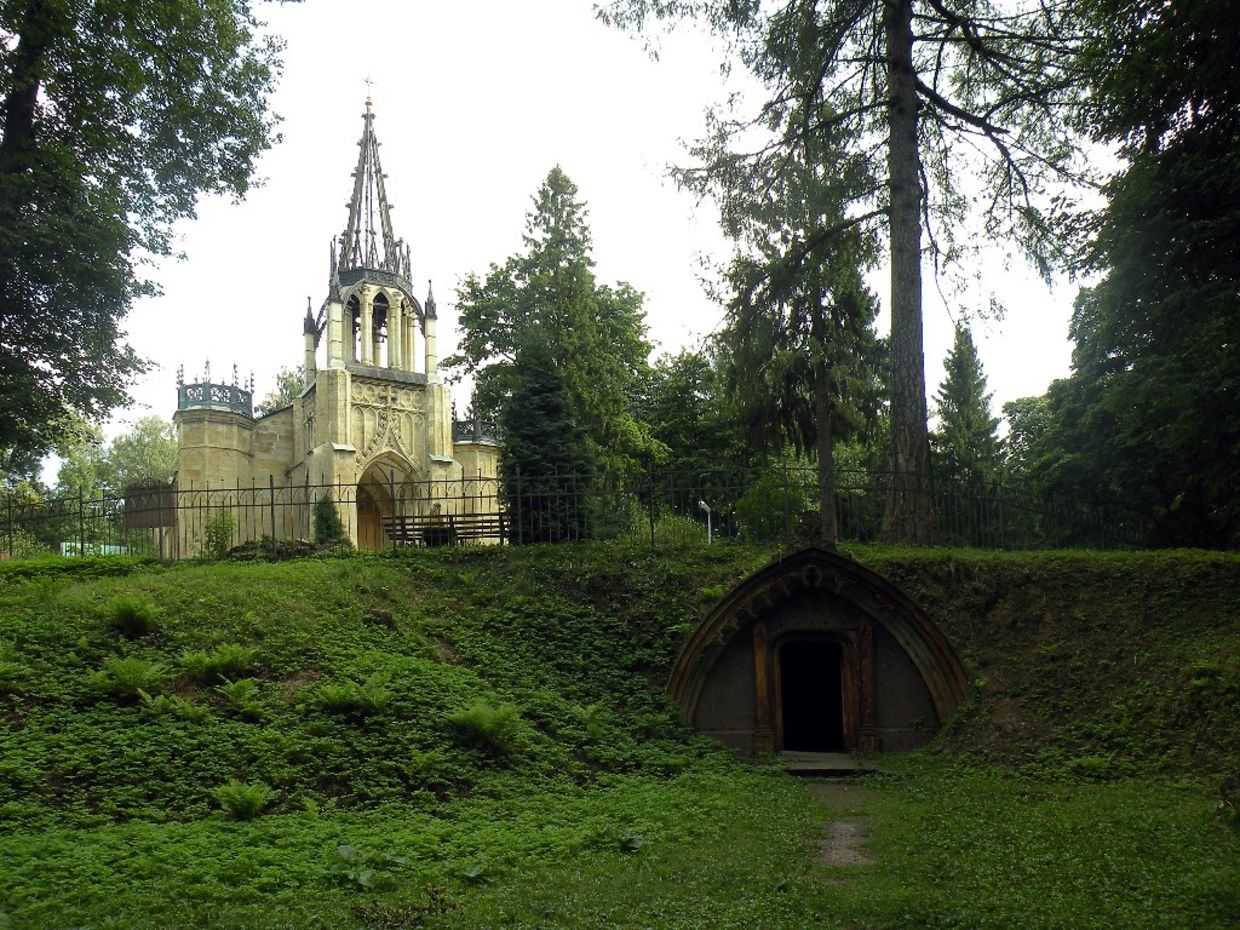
(386, 489)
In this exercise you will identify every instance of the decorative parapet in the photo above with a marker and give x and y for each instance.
(476, 429)
(209, 396)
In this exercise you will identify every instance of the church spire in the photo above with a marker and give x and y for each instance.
(367, 241)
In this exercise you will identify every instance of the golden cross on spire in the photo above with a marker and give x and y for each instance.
(369, 83)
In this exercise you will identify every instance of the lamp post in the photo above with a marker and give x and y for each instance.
(703, 505)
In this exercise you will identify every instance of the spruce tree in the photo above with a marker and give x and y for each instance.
(966, 444)
(545, 463)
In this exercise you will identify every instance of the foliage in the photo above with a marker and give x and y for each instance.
(328, 527)
(547, 297)
(770, 505)
(117, 117)
(290, 382)
(545, 462)
(129, 677)
(130, 616)
(966, 443)
(227, 660)
(364, 871)
(498, 727)
(174, 706)
(218, 534)
(91, 467)
(689, 414)
(350, 698)
(241, 801)
(985, 79)
(242, 698)
(117, 803)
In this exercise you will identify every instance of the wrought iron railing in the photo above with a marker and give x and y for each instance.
(653, 507)
(209, 396)
(475, 429)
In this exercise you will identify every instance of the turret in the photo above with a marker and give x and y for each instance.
(428, 333)
(311, 333)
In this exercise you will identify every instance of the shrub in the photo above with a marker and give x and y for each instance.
(328, 528)
(240, 801)
(219, 535)
(770, 506)
(226, 661)
(127, 678)
(242, 698)
(173, 706)
(130, 616)
(348, 697)
(498, 727)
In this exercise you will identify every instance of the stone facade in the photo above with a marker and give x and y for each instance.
(373, 421)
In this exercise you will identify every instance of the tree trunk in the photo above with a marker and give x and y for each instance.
(910, 516)
(36, 31)
(824, 436)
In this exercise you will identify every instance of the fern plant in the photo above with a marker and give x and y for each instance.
(241, 801)
(497, 727)
(242, 698)
(129, 677)
(224, 662)
(130, 616)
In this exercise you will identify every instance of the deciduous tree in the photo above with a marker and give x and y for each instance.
(115, 117)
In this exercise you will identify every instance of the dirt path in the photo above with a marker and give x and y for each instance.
(843, 836)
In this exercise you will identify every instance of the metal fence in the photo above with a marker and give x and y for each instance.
(652, 506)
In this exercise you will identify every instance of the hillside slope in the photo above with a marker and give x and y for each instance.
(394, 723)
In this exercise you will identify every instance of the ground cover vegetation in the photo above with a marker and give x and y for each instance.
(477, 737)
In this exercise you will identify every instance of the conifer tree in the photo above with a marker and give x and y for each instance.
(545, 463)
(966, 444)
(548, 294)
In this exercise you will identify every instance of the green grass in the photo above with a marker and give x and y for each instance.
(483, 732)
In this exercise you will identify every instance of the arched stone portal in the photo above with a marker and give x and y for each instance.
(817, 653)
(386, 489)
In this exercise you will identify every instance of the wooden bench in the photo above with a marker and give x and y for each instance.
(445, 529)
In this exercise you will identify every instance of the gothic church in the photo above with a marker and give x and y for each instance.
(374, 419)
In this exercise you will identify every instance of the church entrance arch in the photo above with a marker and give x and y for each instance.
(386, 489)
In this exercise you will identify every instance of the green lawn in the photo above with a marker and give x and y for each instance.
(715, 847)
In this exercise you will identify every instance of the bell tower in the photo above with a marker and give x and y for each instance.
(371, 315)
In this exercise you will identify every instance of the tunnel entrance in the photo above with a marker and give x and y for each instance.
(812, 696)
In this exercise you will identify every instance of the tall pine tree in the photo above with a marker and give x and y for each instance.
(966, 444)
(548, 295)
(545, 463)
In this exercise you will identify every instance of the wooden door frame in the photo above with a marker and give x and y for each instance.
(856, 680)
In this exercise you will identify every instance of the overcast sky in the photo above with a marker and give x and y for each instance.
(475, 102)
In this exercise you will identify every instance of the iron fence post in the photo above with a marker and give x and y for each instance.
(650, 490)
(81, 524)
(271, 484)
(787, 509)
(520, 509)
(10, 508)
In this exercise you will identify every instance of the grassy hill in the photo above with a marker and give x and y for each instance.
(478, 737)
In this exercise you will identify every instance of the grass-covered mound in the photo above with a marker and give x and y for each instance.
(477, 738)
(1092, 664)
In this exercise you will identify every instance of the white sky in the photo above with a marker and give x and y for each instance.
(474, 103)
